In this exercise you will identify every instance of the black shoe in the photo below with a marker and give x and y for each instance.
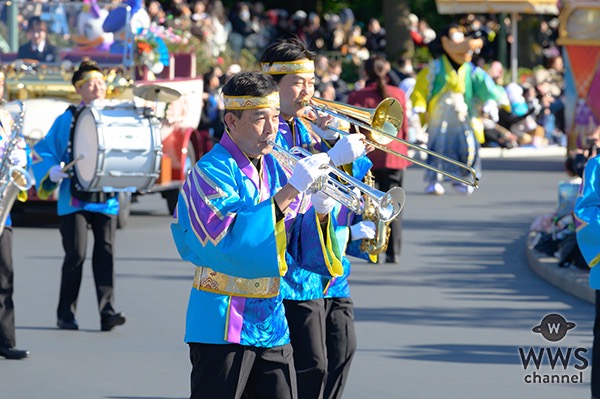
(110, 321)
(67, 324)
(9, 352)
(390, 259)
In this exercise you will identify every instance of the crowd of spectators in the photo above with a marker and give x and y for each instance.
(536, 117)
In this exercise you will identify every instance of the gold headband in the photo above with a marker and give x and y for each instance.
(250, 102)
(289, 67)
(87, 76)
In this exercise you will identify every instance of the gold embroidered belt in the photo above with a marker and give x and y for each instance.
(207, 279)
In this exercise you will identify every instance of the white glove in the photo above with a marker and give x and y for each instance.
(326, 134)
(347, 149)
(322, 203)
(307, 170)
(491, 109)
(55, 174)
(361, 230)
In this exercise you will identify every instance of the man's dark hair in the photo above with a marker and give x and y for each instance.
(286, 49)
(86, 65)
(36, 21)
(253, 84)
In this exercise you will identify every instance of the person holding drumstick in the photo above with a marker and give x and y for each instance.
(78, 209)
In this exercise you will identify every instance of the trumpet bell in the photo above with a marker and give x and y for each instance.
(391, 204)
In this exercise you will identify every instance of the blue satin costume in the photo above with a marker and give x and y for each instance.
(587, 219)
(300, 284)
(225, 224)
(52, 150)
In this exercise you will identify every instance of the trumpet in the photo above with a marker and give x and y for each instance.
(341, 186)
(383, 124)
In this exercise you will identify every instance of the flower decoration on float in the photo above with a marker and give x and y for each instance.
(176, 40)
(151, 51)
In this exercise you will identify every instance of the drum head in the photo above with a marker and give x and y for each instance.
(85, 144)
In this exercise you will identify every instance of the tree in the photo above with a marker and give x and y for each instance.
(396, 23)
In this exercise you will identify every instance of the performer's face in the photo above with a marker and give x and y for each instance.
(93, 89)
(293, 89)
(254, 129)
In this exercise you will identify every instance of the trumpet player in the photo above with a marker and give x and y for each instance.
(17, 156)
(241, 222)
(292, 66)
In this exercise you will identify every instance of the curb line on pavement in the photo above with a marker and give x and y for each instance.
(571, 280)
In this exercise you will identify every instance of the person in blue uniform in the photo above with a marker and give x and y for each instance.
(77, 209)
(17, 157)
(587, 222)
(244, 223)
(291, 64)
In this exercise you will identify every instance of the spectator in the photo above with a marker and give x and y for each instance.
(415, 35)
(213, 109)
(38, 48)
(334, 73)
(241, 27)
(387, 169)
(404, 69)
(314, 33)
(376, 37)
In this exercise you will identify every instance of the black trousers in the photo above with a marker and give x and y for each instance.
(7, 311)
(596, 352)
(74, 232)
(306, 320)
(235, 371)
(340, 338)
(386, 179)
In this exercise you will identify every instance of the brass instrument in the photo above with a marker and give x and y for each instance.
(13, 178)
(340, 186)
(383, 124)
(377, 245)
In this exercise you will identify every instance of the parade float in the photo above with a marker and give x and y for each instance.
(153, 104)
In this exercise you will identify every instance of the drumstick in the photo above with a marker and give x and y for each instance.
(70, 164)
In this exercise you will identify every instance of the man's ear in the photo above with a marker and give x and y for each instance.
(230, 120)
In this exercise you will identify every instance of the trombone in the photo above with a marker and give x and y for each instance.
(341, 188)
(383, 123)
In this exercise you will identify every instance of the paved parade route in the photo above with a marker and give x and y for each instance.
(447, 321)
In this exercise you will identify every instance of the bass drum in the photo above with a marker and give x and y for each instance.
(118, 146)
(40, 114)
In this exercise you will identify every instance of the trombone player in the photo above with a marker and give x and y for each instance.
(292, 66)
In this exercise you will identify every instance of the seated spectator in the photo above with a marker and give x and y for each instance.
(376, 37)
(334, 73)
(496, 72)
(413, 29)
(405, 69)
(213, 106)
(314, 33)
(38, 48)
